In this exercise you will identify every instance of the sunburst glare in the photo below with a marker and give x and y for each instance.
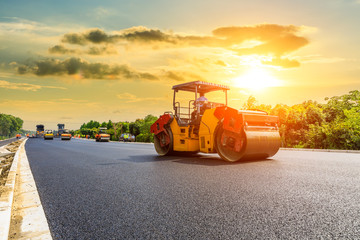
(256, 79)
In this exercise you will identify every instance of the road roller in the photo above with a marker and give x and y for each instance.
(102, 136)
(199, 125)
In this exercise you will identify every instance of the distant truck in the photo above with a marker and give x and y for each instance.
(39, 130)
(102, 136)
(66, 135)
(61, 128)
(49, 135)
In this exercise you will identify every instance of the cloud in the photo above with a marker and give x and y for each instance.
(19, 25)
(262, 32)
(268, 34)
(78, 66)
(93, 50)
(282, 62)
(182, 76)
(131, 98)
(60, 49)
(92, 36)
(25, 86)
(101, 50)
(277, 46)
(267, 39)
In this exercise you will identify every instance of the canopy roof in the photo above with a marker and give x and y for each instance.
(202, 87)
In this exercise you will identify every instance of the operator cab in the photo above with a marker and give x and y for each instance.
(102, 129)
(190, 106)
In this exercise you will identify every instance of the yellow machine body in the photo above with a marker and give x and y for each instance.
(185, 140)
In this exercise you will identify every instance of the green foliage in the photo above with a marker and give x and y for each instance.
(9, 125)
(250, 103)
(140, 129)
(332, 125)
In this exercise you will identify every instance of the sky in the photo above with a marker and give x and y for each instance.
(75, 61)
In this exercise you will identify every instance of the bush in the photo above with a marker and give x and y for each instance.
(145, 137)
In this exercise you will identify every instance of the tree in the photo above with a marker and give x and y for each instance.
(9, 125)
(250, 103)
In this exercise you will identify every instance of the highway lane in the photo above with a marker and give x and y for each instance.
(92, 190)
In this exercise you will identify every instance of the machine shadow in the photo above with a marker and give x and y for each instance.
(191, 158)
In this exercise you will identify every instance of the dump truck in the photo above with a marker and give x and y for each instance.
(65, 135)
(48, 135)
(39, 130)
(214, 127)
(102, 136)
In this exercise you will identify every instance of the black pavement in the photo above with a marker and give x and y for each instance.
(100, 190)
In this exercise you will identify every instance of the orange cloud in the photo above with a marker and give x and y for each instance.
(282, 62)
(273, 40)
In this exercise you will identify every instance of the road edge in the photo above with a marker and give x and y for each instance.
(27, 205)
(6, 201)
(320, 150)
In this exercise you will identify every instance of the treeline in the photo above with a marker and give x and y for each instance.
(331, 125)
(9, 125)
(140, 128)
(334, 124)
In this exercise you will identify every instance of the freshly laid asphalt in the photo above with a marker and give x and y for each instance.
(101, 190)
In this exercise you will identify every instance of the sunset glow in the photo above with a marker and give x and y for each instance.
(256, 79)
(118, 61)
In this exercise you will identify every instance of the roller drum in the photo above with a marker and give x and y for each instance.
(261, 144)
(249, 144)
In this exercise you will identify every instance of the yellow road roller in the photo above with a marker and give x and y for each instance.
(199, 125)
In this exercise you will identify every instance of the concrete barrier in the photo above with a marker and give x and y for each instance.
(21, 201)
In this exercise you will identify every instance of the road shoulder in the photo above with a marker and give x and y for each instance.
(28, 219)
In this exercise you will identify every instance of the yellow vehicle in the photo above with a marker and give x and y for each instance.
(48, 134)
(65, 135)
(212, 127)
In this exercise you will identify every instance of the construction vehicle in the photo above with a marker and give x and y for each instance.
(211, 127)
(61, 128)
(65, 135)
(102, 136)
(39, 130)
(127, 137)
(48, 134)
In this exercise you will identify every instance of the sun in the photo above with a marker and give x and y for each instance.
(256, 79)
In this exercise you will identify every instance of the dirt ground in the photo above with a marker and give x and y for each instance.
(6, 161)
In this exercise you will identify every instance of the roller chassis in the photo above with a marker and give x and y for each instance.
(235, 135)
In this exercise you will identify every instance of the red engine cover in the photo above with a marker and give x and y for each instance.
(233, 121)
(158, 126)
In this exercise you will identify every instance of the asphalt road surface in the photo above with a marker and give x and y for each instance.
(97, 190)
